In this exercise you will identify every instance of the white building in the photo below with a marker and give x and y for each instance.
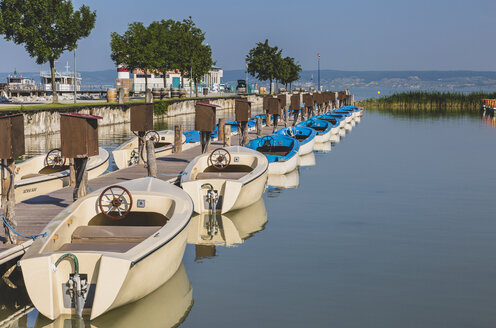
(136, 81)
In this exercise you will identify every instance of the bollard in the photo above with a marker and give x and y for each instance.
(227, 135)
(150, 159)
(222, 122)
(259, 126)
(178, 138)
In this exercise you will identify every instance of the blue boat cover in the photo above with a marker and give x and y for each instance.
(271, 143)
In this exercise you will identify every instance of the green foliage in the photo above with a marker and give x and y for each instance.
(263, 62)
(288, 71)
(431, 101)
(134, 49)
(164, 34)
(163, 46)
(160, 108)
(47, 28)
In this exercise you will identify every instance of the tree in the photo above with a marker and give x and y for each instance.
(189, 42)
(262, 62)
(201, 63)
(134, 49)
(290, 72)
(166, 39)
(47, 28)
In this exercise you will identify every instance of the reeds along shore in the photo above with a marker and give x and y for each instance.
(430, 101)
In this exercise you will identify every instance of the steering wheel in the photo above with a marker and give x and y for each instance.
(153, 136)
(54, 158)
(219, 158)
(267, 141)
(115, 202)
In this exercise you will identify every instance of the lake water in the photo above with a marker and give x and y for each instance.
(394, 227)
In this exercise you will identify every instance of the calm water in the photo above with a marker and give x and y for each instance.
(395, 227)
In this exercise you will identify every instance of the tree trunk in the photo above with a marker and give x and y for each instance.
(182, 79)
(196, 87)
(165, 81)
(270, 86)
(146, 82)
(54, 85)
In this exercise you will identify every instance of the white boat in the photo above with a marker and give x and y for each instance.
(43, 174)
(226, 179)
(127, 154)
(167, 306)
(229, 229)
(307, 159)
(107, 249)
(281, 152)
(284, 181)
(323, 147)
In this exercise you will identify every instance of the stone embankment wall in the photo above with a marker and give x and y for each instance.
(47, 121)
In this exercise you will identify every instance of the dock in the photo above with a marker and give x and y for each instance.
(34, 214)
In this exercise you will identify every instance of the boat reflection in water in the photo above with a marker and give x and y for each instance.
(168, 306)
(284, 181)
(323, 147)
(307, 160)
(207, 231)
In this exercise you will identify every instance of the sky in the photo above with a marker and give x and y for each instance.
(351, 35)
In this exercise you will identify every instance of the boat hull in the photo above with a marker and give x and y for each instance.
(36, 186)
(284, 167)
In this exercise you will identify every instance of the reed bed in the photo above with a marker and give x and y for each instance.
(430, 101)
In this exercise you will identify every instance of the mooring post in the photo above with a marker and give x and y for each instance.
(244, 133)
(121, 96)
(148, 96)
(72, 173)
(259, 126)
(222, 122)
(178, 138)
(151, 163)
(8, 199)
(141, 145)
(227, 135)
(81, 189)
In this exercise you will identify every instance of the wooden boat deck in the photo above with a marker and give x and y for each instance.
(33, 215)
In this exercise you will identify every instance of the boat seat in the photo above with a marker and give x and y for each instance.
(112, 234)
(275, 153)
(221, 175)
(99, 247)
(31, 175)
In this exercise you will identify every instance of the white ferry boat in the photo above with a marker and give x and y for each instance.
(64, 80)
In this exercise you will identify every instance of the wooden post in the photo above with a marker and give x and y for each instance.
(227, 135)
(222, 122)
(244, 133)
(148, 96)
(81, 188)
(178, 138)
(72, 173)
(259, 127)
(8, 200)
(150, 159)
(141, 145)
(121, 96)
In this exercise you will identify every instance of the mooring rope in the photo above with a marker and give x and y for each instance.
(6, 223)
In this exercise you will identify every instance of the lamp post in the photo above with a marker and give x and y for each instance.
(74, 79)
(318, 55)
